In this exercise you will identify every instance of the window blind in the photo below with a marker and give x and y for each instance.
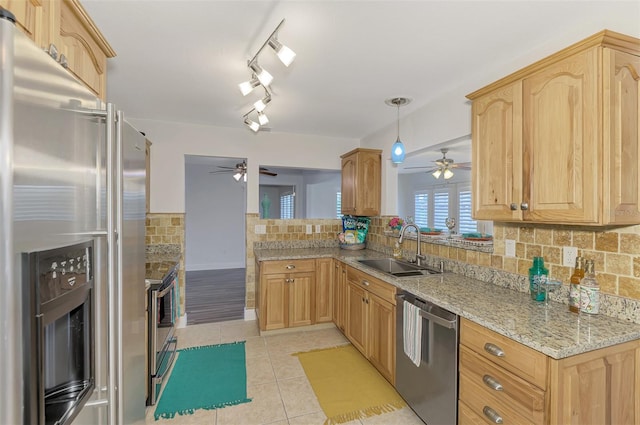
(286, 206)
(339, 205)
(421, 209)
(440, 209)
(466, 223)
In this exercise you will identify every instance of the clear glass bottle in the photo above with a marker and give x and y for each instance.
(589, 291)
(538, 276)
(574, 286)
(397, 252)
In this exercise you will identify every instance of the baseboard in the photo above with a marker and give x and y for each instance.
(315, 327)
(250, 314)
(182, 321)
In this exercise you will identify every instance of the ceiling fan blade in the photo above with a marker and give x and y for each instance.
(461, 165)
(268, 173)
(409, 168)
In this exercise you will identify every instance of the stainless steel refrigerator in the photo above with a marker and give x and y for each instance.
(72, 170)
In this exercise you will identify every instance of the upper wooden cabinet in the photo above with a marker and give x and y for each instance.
(361, 182)
(557, 142)
(65, 25)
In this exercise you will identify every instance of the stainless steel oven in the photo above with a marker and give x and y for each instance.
(58, 343)
(162, 331)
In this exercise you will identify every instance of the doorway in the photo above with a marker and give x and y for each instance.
(215, 268)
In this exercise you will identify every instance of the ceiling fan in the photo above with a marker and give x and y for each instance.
(240, 171)
(444, 166)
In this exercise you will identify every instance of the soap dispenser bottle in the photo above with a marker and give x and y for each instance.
(538, 275)
(589, 291)
(397, 253)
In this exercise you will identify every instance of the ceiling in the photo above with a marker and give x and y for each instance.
(182, 60)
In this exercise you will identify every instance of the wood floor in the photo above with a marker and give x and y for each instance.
(215, 295)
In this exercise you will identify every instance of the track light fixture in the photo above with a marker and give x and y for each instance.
(261, 77)
(397, 150)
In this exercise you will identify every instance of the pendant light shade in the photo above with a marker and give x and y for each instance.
(397, 150)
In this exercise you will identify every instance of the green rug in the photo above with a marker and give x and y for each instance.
(207, 377)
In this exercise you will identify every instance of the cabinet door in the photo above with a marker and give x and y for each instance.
(339, 295)
(26, 14)
(349, 186)
(324, 290)
(368, 188)
(561, 149)
(357, 320)
(621, 161)
(274, 310)
(382, 336)
(301, 287)
(497, 154)
(598, 387)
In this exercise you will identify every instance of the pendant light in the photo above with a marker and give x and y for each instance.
(397, 150)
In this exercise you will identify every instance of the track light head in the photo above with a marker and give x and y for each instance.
(263, 76)
(262, 103)
(285, 54)
(252, 124)
(262, 118)
(248, 86)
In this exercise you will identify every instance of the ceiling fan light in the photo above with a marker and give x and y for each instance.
(448, 173)
(437, 173)
(248, 86)
(285, 54)
(262, 118)
(238, 176)
(252, 125)
(397, 152)
(244, 177)
(263, 76)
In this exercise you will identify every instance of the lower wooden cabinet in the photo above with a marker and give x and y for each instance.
(503, 381)
(286, 294)
(324, 290)
(339, 294)
(370, 320)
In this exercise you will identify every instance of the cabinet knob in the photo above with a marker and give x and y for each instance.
(493, 349)
(492, 415)
(513, 206)
(492, 382)
(524, 206)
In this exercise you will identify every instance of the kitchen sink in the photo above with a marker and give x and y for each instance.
(398, 268)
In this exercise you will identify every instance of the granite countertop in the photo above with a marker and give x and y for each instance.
(158, 265)
(553, 331)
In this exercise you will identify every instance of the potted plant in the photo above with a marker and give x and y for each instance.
(395, 224)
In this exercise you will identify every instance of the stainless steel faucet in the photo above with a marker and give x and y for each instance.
(419, 256)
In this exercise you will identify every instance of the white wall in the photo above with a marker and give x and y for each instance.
(215, 223)
(172, 141)
(321, 194)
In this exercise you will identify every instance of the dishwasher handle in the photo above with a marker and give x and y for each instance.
(449, 324)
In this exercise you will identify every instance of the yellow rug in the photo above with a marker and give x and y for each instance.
(348, 387)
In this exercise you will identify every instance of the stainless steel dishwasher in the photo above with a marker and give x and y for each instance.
(430, 389)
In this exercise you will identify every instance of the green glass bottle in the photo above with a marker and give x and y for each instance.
(538, 276)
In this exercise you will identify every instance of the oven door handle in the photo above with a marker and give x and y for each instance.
(40, 366)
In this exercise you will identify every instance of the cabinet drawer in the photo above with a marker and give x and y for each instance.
(384, 290)
(522, 361)
(501, 387)
(288, 266)
(467, 417)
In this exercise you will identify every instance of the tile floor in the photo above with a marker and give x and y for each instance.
(276, 381)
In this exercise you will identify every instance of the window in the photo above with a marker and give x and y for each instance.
(339, 205)
(440, 208)
(286, 205)
(421, 209)
(466, 223)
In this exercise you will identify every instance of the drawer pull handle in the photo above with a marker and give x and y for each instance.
(291, 267)
(493, 349)
(492, 382)
(492, 415)
(365, 283)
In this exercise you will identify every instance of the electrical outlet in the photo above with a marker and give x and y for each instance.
(569, 254)
(309, 229)
(318, 228)
(260, 229)
(509, 248)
